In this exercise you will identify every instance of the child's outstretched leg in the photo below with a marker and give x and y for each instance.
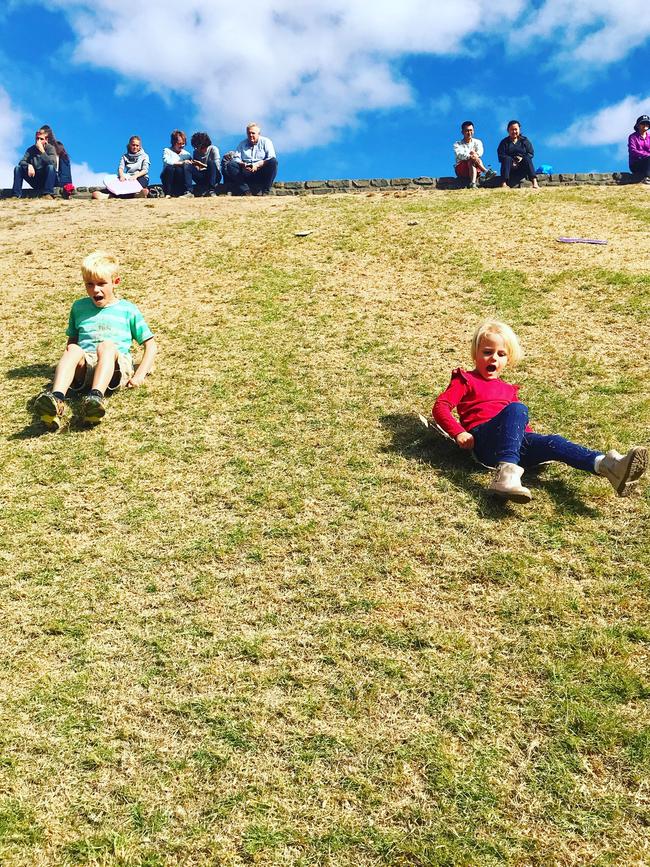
(497, 443)
(93, 407)
(622, 471)
(50, 406)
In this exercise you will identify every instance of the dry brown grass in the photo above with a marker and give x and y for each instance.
(252, 618)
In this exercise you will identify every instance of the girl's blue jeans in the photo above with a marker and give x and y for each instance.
(504, 439)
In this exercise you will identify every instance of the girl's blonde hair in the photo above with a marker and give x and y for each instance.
(494, 326)
(100, 266)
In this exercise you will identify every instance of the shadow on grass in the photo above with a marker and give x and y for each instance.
(32, 370)
(72, 422)
(410, 440)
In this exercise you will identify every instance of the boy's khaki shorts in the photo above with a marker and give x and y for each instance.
(123, 372)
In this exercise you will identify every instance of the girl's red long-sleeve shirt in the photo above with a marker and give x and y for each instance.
(477, 400)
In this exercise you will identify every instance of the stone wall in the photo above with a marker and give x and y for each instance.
(320, 188)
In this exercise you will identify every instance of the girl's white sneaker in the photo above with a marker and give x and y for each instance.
(506, 483)
(622, 471)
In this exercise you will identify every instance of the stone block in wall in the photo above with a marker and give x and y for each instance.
(424, 181)
(339, 185)
(449, 183)
(321, 191)
(314, 185)
(400, 182)
(361, 183)
(628, 177)
(379, 182)
(564, 178)
(285, 192)
(294, 185)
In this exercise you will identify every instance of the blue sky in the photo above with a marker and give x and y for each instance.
(345, 89)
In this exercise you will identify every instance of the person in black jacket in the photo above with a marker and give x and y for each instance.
(516, 154)
(37, 167)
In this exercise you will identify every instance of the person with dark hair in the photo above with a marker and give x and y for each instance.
(516, 154)
(63, 167)
(177, 167)
(205, 164)
(253, 166)
(638, 146)
(37, 167)
(468, 152)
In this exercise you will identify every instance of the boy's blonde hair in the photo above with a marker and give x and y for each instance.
(100, 266)
(494, 326)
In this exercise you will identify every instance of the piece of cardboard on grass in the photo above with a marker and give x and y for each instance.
(121, 188)
(581, 241)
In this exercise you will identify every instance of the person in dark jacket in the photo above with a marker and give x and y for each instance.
(516, 154)
(63, 167)
(37, 167)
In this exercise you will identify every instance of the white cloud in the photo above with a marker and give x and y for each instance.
(588, 32)
(310, 69)
(609, 126)
(11, 123)
(307, 71)
(84, 176)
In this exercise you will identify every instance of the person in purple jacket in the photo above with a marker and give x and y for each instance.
(638, 146)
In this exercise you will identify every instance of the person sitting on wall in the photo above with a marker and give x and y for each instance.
(254, 165)
(205, 164)
(638, 146)
(37, 167)
(177, 167)
(63, 166)
(468, 152)
(133, 166)
(516, 154)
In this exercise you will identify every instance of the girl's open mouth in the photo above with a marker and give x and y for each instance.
(491, 368)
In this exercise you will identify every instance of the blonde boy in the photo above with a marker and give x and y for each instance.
(101, 329)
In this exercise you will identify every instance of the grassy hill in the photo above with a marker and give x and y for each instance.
(253, 618)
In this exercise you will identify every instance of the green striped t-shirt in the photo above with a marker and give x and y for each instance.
(120, 322)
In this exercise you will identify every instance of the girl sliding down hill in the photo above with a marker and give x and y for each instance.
(494, 424)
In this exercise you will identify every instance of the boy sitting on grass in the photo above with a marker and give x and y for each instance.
(101, 329)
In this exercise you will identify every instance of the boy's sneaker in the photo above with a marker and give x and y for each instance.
(50, 410)
(622, 471)
(93, 409)
(489, 174)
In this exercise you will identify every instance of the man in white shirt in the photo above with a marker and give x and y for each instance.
(253, 167)
(468, 152)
